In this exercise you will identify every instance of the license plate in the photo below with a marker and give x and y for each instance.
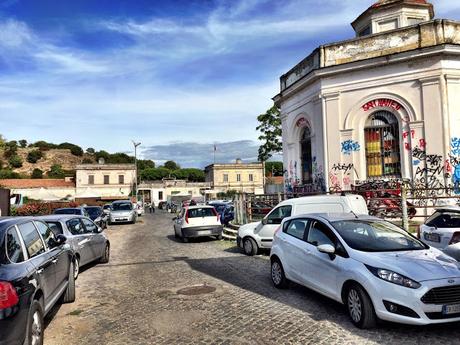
(451, 309)
(432, 237)
(205, 232)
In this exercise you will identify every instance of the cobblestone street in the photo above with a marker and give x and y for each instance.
(135, 299)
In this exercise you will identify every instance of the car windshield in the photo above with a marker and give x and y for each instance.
(67, 211)
(126, 206)
(201, 212)
(376, 236)
(93, 212)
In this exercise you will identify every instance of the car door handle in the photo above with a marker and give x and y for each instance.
(55, 261)
(307, 251)
(40, 271)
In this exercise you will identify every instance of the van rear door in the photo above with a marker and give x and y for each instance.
(357, 204)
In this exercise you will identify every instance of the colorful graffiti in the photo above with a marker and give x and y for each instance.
(455, 146)
(350, 146)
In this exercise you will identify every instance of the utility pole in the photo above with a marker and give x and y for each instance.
(135, 165)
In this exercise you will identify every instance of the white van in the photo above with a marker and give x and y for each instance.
(259, 235)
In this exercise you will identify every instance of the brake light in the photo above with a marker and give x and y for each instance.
(455, 238)
(186, 215)
(8, 295)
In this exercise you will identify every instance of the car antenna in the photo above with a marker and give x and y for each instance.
(356, 216)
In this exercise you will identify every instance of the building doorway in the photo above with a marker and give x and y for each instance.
(306, 156)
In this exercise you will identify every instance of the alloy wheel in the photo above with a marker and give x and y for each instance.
(248, 246)
(276, 273)
(354, 305)
(37, 328)
(76, 268)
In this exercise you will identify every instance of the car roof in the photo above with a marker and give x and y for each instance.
(6, 222)
(69, 208)
(334, 217)
(58, 217)
(316, 197)
(455, 209)
(121, 201)
(199, 206)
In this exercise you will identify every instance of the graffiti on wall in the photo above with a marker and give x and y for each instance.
(350, 146)
(455, 146)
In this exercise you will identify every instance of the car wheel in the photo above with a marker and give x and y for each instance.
(360, 308)
(278, 277)
(106, 257)
(76, 268)
(35, 325)
(250, 246)
(69, 295)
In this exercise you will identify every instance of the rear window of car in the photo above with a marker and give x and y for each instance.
(126, 206)
(13, 246)
(201, 212)
(444, 220)
(67, 211)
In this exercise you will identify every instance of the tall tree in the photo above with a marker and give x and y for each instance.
(171, 165)
(270, 129)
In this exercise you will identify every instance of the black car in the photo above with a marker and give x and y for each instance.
(98, 216)
(36, 272)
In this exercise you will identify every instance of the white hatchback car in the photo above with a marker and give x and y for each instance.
(197, 221)
(375, 268)
(442, 231)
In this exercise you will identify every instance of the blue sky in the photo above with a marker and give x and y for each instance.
(171, 74)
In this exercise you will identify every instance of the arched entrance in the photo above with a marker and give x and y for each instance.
(306, 156)
(383, 155)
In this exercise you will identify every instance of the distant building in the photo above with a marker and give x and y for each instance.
(158, 191)
(239, 176)
(40, 189)
(105, 181)
(381, 106)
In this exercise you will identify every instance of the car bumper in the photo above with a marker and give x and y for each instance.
(381, 291)
(238, 241)
(121, 219)
(201, 231)
(13, 329)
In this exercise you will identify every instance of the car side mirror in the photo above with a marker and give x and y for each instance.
(265, 221)
(99, 230)
(59, 240)
(326, 249)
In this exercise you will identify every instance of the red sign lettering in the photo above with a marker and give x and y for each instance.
(382, 103)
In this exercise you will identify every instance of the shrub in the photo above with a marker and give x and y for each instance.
(15, 161)
(11, 149)
(90, 150)
(23, 143)
(42, 208)
(56, 171)
(74, 149)
(43, 145)
(34, 156)
(37, 173)
(8, 173)
(87, 161)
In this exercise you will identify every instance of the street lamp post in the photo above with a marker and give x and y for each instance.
(135, 164)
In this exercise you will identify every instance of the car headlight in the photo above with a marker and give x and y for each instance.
(394, 277)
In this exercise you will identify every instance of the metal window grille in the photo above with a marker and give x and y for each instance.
(383, 156)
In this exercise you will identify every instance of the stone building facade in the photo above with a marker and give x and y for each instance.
(239, 176)
(383, 105)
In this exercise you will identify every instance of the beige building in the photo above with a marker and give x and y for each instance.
(241, 177)
(40, 189)
(105, 181)
(158, 191)
(383, 105)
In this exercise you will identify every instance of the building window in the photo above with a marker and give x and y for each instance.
(251, 178)
(414, 21)
(121, 179)
(306, 156)
(106, 179)
(91, 179)
(160, 196)
(383, 156)
(366, 31)
(238, 177)
(225, 177)
(388, 25)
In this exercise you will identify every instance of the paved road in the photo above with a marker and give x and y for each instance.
(136, 299)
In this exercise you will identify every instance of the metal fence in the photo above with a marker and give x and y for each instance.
(398, 202)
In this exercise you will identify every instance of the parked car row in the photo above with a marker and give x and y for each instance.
(36, 272)
(377, 270)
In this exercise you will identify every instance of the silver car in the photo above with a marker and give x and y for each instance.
(442, 231)
(123, 211)
(87, 240)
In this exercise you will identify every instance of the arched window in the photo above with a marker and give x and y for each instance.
(306, 156)
(383, 156)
